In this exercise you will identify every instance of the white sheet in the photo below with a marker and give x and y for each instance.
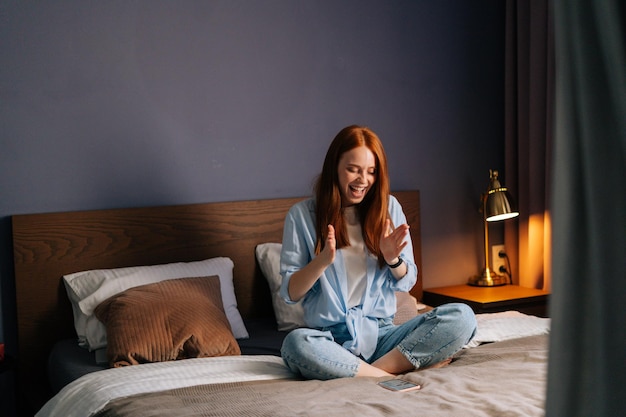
(72, 400)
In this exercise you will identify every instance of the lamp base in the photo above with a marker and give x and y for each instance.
(487, 279)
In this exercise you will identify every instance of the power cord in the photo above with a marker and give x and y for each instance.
(507, 269)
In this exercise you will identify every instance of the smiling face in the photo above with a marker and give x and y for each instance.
(357, 174)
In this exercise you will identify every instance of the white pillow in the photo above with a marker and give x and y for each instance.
(288, 316)
(87, 289)
(495, 327)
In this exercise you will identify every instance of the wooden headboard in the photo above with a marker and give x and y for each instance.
(48, 246)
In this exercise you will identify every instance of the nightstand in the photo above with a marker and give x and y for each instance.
(491, 299)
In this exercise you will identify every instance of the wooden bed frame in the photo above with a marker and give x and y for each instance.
(48, 246)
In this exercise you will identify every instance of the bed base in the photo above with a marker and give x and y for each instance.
(48, 246)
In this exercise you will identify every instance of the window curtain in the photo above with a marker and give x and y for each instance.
(587, 367)
(529, 110)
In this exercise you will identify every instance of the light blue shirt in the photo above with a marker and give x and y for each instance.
(325, 304)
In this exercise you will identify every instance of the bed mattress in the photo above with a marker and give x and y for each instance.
(494, 379)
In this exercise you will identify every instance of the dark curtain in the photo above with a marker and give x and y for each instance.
(529, 110)
(587, 366)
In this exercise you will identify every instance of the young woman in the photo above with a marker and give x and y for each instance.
(345, 253)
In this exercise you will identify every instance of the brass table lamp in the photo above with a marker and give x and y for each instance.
(496, 206)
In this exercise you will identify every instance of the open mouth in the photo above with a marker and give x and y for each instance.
(357, 191)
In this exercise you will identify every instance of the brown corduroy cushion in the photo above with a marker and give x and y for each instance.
(168, 320)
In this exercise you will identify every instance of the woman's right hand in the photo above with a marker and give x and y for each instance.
(330, 246)
(304, 279)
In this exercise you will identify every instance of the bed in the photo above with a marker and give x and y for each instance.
(231, 249)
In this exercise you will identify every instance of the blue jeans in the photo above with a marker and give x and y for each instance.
(424, 340)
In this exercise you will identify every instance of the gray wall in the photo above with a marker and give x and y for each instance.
(138, 103)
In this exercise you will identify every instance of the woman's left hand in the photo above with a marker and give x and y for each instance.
(393, 241)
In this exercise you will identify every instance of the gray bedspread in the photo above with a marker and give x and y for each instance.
(503, 379)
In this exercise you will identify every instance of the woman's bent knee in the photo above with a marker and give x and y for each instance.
(315, 355)
(463, 318)
(295, 342)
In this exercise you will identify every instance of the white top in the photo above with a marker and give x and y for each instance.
(355, 259)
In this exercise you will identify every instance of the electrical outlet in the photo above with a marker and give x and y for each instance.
(496, 260)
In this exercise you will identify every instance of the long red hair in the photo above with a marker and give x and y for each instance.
(372, 211)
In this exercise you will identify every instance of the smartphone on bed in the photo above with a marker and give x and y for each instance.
(399, 385)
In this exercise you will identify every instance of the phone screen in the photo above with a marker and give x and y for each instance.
(399, 385)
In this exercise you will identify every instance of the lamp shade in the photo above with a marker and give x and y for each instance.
(498, 205)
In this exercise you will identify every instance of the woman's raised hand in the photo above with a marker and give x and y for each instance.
(393, 241)
(330, 246)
